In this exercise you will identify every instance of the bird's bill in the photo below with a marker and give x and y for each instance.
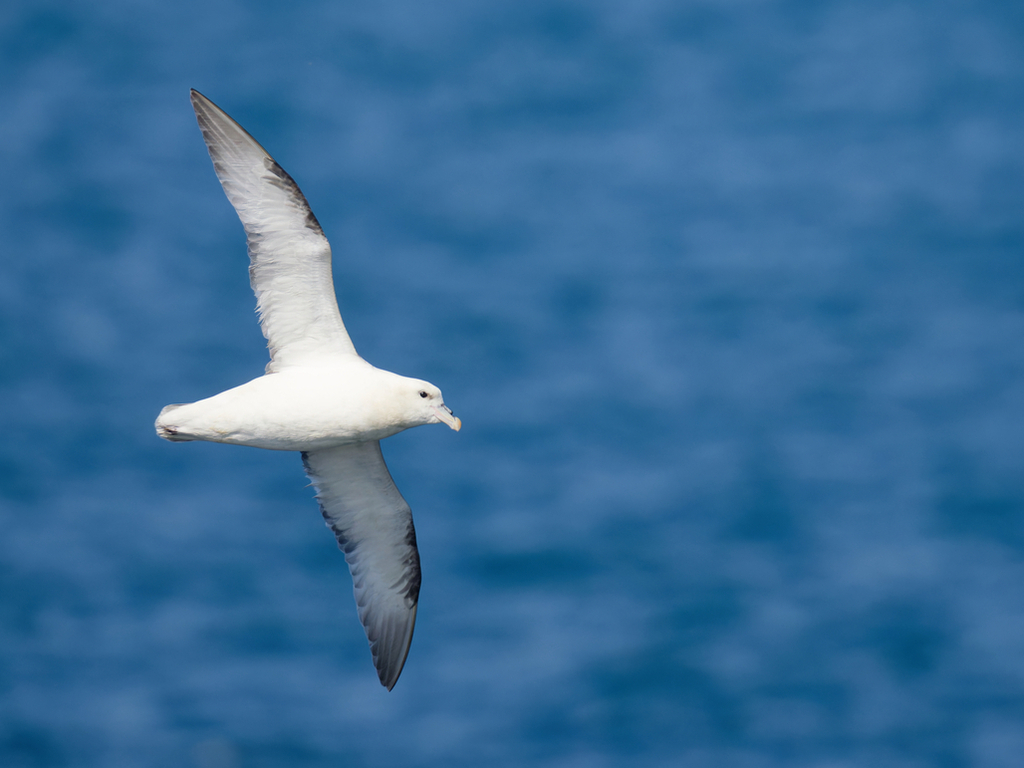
(444, 413)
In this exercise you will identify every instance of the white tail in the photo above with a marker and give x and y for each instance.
(167, 430)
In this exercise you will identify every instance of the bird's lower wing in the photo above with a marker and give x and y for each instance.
(289, 256)
(374, 528)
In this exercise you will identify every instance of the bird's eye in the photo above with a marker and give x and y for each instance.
(423, 393)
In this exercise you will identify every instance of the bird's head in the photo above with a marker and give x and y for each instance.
(427, 401)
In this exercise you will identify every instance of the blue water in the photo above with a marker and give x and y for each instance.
(730, 299)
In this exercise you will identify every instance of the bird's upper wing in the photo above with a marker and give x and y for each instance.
(373, 524)
(290, 259)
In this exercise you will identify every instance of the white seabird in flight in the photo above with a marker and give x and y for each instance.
(318, 396)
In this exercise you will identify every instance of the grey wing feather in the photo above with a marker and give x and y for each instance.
(290, 258)
(373, 525)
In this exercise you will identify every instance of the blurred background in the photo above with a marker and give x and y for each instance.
(729, 297)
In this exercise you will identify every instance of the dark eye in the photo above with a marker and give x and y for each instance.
(423, 393)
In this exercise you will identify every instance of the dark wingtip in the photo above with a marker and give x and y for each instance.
(389, 683)
(387, 675)
(390, 666)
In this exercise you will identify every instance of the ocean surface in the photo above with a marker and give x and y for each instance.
(729, 296)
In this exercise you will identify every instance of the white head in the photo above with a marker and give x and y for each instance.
(427, 402)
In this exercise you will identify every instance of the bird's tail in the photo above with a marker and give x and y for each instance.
(165, 426)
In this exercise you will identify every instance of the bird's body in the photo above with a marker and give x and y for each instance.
(318, 396)
(301, 409)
